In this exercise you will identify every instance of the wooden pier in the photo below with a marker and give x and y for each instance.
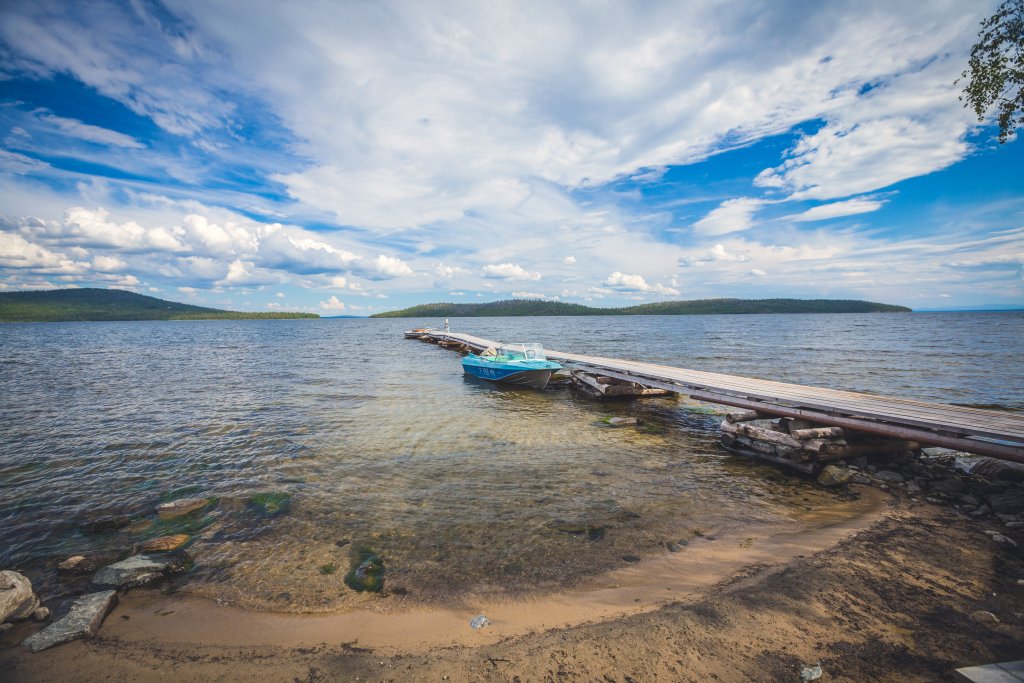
(983, 432)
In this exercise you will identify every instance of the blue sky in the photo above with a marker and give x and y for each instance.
(351, 157)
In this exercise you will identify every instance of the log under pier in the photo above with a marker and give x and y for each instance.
(983, 432)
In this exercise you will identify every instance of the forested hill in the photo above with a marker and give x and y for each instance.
(515, 307)
(111, 304)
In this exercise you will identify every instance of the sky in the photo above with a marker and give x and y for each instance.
(351, 157)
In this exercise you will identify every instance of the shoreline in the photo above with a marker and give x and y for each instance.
(642, 587)
(888, 597)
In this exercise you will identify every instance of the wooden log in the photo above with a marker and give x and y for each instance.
(745, 416)
(817, 433)
(834, 451)
(805, 467)
(760, 434)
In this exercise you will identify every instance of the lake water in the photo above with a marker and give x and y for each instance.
(380, 442)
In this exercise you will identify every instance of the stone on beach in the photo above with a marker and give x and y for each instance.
(1000, 470)
(889, 476)
(137, 570)
(17, 600)
(84, 619)
(1011, 502)
(182, 506)
(834, 475)
(164, 543)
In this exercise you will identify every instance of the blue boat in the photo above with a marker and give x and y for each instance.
(519, 364)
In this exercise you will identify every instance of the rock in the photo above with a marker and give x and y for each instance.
(164, 543)
(860, 479)
(622, 421)
(17, 600)
(84, 619)
(1004, 540)
(182, 506)
(968, 499)
(833, 475)
(673, 547)
(631, 558)
(1000, 470)
(1010, 503)
(479, 622)
(913, 487)
(367, 572)
(138, 570)
(104, 523)
(41, 614)
(889, 476)
(950, 485)
(4, 628)
(80, 564)
(271, 504)
(983, 617)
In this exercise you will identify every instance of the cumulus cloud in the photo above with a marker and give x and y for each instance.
(448, 272)
(716, 253)
(389, 266)
(509, 271)
(569, 260)
(333, 304)
(18, 252)
(636, 283)
(850, 207)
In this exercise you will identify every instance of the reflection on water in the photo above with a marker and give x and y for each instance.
(378, 442)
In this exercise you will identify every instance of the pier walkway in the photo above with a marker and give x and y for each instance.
(984, 432)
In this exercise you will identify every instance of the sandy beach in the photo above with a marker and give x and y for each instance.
(894, 592)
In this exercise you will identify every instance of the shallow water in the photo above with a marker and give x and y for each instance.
(383, 443)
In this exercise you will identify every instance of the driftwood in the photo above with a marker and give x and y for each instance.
(805, 448)
(600, 386)
(745, 416)
(817, 433)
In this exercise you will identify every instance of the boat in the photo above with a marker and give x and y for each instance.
(518, 364)
(416, 332)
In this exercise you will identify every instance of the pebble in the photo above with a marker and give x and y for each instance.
(983, 617)
(622, 421)
(182, 506)
(164, 543)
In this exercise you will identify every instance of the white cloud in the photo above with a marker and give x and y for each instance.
(448, 272)
(636, 283)
(389, 266)
(13, 162)
(333, 304)
(534, 295)
(456, 294)
(717, 253)
(850, 207)
(758, 272)
(280, 295)
(108, 263)
(732, 215)
(90, 133)
(509, 271)
(18, 252)
(569, 260)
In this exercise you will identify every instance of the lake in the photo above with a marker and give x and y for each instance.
(373, 441)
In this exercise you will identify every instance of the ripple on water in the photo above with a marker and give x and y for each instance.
(382, 444)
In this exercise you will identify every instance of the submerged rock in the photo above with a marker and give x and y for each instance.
(1000, 470)
(834, 475)
(104, 523)
(271, 504)
(83, 564)
(84, 619)
(139, 570)
(180, 507)
(17, 600)
(622, 421)
(367, 572)
(1010, 503)
(164, 543)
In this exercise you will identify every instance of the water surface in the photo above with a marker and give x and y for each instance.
(382, 443)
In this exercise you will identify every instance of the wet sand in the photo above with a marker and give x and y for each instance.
(885, 595)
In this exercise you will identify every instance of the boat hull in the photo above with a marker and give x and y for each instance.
(534, 379)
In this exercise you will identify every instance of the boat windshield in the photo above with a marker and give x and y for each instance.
(522, 351)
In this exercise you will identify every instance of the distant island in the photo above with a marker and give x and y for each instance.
(71, 305)
(517, 307)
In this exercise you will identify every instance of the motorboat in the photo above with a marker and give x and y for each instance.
(518, 364)
(417, 332)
